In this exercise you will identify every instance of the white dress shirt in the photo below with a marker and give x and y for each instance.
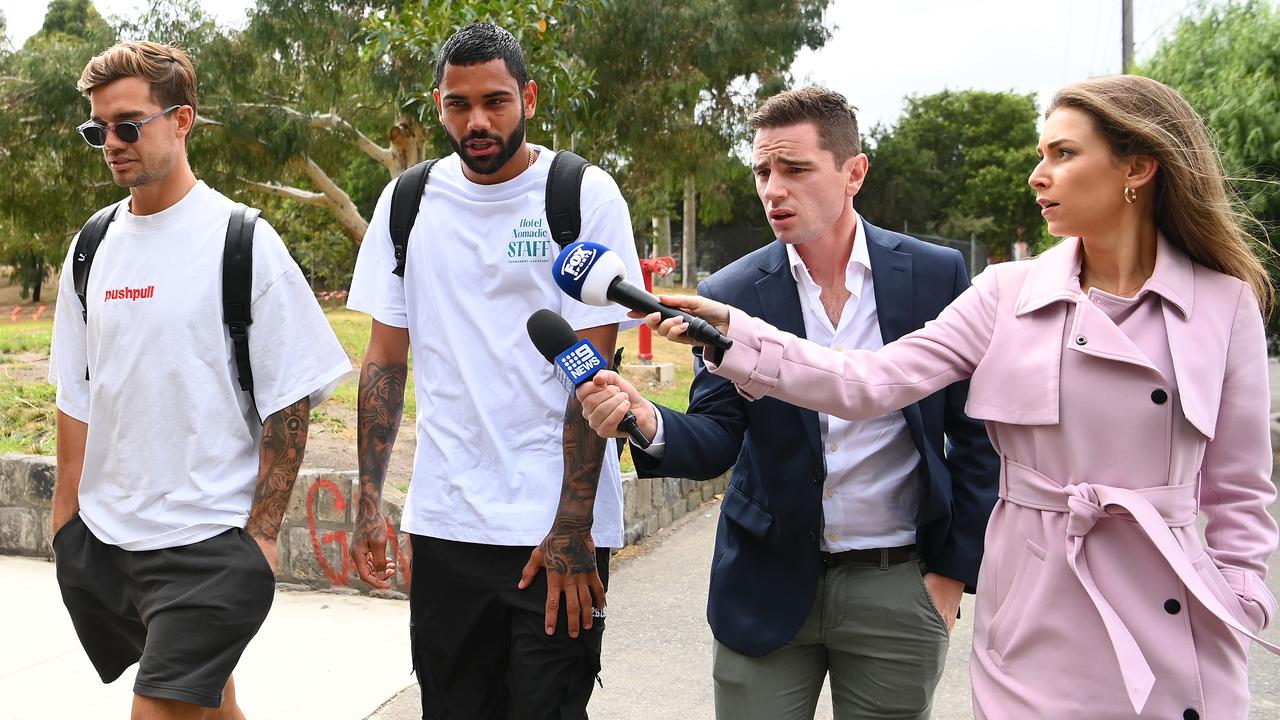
(869, 497)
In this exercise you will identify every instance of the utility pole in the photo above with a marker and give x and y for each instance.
(1126, 36)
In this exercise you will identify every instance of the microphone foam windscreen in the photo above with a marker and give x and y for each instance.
(550, 333)
(585, 270)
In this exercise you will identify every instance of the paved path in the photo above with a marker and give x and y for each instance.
(319, 656)
(323, 656)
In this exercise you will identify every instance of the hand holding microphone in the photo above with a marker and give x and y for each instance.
(594, 274)
(576, 363)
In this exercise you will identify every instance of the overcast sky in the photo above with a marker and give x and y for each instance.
(881, 51)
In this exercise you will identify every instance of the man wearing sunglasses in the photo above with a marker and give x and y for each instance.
(171, 486)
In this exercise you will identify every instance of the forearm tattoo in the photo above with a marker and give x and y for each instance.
(568, 547)
(284, 440)
(380, 406)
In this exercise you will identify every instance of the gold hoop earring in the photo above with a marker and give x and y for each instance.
(1130, 195)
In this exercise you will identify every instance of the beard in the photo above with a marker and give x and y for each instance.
(507, 148)
(157, 169)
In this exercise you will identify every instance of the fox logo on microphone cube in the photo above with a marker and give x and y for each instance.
(578, 260)
(580, 362)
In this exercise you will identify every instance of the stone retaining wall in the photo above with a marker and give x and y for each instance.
(315, 535)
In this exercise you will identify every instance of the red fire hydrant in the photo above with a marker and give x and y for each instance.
(649, 267)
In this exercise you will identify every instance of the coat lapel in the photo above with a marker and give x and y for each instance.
(891, 275)
(780, 303)
(892, 278)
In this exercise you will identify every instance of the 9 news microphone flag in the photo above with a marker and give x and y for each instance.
(576, 361)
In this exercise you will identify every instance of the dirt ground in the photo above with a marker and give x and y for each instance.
(332, 444)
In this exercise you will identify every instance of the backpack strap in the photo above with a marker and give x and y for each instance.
(86, 246)
(237, 287)
(564, 193)
(405, 200)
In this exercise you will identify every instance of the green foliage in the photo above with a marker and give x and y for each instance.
(672, 100)
(1225, 61)
(316, 104)
(74, 17)
(407, 41)
(957, 163)
(53, 180)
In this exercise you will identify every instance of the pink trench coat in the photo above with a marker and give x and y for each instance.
(1096, 598)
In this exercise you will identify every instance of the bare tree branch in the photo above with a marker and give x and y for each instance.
(306, 197)
(333, 121)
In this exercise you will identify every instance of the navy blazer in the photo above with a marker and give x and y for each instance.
(766, 566)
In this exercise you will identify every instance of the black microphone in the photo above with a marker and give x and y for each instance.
(594, 274)
(575, 360)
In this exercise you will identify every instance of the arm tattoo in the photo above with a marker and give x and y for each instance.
(566, 549)
(284, 440)
(381, 403)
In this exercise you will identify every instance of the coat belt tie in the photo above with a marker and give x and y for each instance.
(1154, 510)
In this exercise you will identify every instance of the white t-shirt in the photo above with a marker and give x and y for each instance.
(490, 417)
(172, 452)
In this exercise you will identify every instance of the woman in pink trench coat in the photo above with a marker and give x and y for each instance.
(1125, 387)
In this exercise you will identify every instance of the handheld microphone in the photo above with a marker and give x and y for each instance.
(576, 361)
(594, 274)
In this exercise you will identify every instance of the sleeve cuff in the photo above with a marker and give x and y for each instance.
(658, 446)
(754, 362)
(1255, 598)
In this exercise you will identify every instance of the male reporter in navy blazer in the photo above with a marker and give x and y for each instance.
(843, 548)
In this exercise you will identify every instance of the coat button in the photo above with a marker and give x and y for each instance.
(1190, 714)
(1172, 606)
(1159, 396)
(1082, 340)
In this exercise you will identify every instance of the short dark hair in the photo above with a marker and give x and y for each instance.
(479, 43)
(165, 67)
(836, 119)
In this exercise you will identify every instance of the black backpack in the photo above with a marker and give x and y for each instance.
(237, 277)
(563, 202)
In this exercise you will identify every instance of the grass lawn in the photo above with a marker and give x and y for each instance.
(352, 329)
(27, 402)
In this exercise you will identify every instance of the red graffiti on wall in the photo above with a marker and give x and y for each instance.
(341, 575)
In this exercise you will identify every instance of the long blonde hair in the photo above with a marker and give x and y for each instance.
(1195, 209)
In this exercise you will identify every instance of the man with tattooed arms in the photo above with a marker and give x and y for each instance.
(508, 478)
(172, 481)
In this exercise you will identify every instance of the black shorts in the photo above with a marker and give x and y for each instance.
(480, 648)
(185, 613)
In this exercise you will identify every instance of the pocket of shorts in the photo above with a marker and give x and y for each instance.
(1004, 625)
(263, 565)
(75, 519)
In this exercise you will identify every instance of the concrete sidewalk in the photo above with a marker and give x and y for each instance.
(319, 656)
(324, 656)
(657, 648)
